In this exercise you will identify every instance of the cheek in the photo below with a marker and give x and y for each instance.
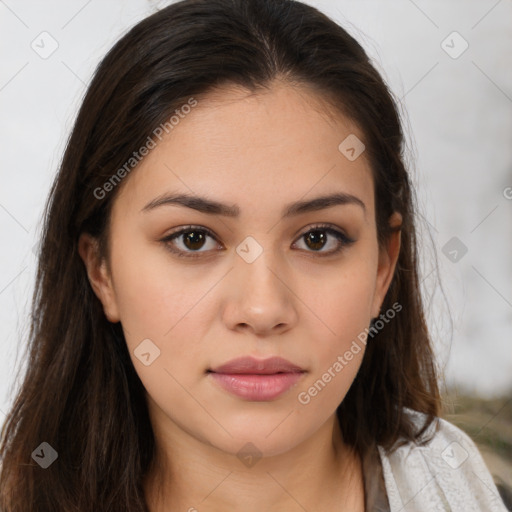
(157, 298)
(163, 313)
(344, 304)
(343, 300)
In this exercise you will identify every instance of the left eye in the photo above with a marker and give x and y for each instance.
(317, 238)
(191, 239)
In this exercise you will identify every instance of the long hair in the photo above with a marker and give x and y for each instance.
(80, 392)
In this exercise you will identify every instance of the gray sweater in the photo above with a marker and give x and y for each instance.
(446, 474)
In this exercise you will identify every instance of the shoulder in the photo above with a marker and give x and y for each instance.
(445, 473)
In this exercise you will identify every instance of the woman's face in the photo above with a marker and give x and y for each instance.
(269, 269)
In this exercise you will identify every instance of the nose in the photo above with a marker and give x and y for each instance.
(260, 297)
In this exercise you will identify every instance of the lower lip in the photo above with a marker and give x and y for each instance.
(257, 387)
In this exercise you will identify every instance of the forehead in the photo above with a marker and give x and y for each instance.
(235, 146)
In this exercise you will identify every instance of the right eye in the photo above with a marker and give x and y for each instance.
(188, 241)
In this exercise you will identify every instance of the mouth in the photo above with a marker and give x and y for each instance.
(256, 380)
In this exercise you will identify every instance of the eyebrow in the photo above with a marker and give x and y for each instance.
(209, 206)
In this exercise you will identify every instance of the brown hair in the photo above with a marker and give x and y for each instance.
(80, 392)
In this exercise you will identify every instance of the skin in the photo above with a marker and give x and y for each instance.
(260, 152)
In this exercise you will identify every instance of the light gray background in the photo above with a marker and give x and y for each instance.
(457, 113)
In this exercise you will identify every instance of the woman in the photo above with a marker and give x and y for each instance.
(227, 312)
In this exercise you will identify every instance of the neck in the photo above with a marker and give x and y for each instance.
(321, 473)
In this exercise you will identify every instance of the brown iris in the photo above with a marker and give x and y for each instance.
(194, 240)
(315, 239)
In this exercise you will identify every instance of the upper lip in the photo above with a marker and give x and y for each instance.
(251, 365)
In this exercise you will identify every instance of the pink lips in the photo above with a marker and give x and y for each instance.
(257, 379)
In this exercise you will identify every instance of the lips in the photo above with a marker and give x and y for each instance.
(253, 366)
(255, 379)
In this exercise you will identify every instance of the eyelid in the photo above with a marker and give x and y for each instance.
(335, 231)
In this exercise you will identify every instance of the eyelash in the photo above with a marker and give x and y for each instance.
(344, 240)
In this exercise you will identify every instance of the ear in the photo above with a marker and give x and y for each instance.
(388, 256)
(99, 277)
